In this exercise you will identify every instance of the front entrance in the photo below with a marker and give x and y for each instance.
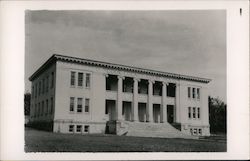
(170, 113)
(142, 112)
(126, 110)
(110, 109)
(156, 112)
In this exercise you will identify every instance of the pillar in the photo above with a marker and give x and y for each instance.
(119, 99)
(177, 103)
(163, 103)
(150, 104)
(135, 100)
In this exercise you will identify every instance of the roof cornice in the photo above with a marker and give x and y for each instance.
(57, 57)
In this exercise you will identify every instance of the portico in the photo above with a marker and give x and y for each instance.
(131, 93)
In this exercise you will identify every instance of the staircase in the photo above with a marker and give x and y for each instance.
(161, 130)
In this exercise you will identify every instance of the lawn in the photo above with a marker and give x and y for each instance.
(42, 141)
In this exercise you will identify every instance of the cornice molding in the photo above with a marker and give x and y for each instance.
(62, 58)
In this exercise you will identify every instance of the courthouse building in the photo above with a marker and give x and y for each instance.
(76, 95)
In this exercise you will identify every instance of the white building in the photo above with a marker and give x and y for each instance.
(74, 95)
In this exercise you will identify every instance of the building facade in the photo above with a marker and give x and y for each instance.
(77, 95)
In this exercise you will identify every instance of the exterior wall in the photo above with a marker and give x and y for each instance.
(46, 95)
(96, 118)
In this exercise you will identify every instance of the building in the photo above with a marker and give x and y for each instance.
(74, 95)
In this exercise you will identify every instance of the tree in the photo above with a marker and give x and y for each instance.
(27, 97)
(217, 115)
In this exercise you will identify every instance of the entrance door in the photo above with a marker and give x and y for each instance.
(170, 113)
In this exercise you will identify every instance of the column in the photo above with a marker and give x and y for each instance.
(135, 100)
(119, 99)
(163, 103)
(150, 104)
(177, 103)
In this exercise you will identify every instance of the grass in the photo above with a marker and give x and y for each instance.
(42, 141)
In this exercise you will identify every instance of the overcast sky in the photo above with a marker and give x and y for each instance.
(184, 42)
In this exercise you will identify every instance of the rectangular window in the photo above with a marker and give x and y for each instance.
(198, 93)
(43, 86)
(80, 79)
(38, 113)
(42, 108)
(47, 83)
(198, 112)
(193, 92)
(71, 106)
(194, 113)
(79, 104)
(39, 90)
(51, 105)
(52, 80)
(191, 131)
(32, 92)
(71, 128)
(36, 90)
(87, 105)
(189, 92)
(88, 80)
(79, 128)
(86, 128)
(72, 78)
(189, 112)
(195, 131)
(47, 107)
(200, 132)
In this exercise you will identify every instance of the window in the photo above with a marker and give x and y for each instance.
(189, 92)
(38, 113)
(72, 78)
(88, 80)
(79, 104)
(39, 90)
(87, 105)
(198, 93)
(189, 112)
(194, 112)
(195, 131)
(35, 90)
(32, 92)
(52, 80)
(42, 108)
(191, 131)
(79, 128)
(86, 128)
(200, 132)
(198, 112)
(80, 79)
(47, 107)
(43, 86)
(193, 92)
(47, 83)
(51, 105)
(71, 106)
(71, 128)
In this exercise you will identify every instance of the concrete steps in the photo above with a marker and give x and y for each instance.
(162, 130)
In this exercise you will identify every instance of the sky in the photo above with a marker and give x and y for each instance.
(179, 41)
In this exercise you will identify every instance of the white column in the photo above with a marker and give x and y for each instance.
(135, 100)
(150, 104)
(163, 103)
(119, 99)
(177, 103)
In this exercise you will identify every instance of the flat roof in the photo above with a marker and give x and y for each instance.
(58, 57)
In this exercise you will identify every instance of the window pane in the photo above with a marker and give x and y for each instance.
(198, 93)
(71, 128)
(71, 108)
(86, 105)
(189, 92)
(79, 105)
(86, 128)
(194, 112)
(72, 80)
(198, 112)
(189, 112)
(193, 92)
(79, 128)
(87, 80)
(80, 79)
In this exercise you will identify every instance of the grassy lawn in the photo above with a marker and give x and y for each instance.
(42, 141)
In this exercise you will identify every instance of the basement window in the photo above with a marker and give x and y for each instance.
(71, 128)
(86, 128)
(79, 128)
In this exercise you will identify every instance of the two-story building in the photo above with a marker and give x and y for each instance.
(76, 95)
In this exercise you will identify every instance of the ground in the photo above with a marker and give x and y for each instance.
(42, 141)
